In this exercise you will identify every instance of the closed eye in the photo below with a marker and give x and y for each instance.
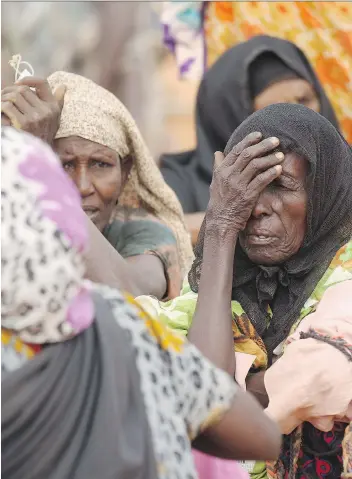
(284, 184)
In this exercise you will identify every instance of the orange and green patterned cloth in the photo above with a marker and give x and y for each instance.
(178, 314)
(199, 32)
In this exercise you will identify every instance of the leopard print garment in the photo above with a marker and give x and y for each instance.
(43, 237)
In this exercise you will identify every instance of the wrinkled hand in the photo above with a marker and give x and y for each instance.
(239, 179)
(37, 112)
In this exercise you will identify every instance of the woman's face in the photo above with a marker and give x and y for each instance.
(98, 174)
(294, 90)
(276, 229)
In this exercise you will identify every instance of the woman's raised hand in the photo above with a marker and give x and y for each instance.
(31, 106)
(239, 179)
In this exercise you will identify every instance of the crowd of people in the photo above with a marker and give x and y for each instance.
(156, 320)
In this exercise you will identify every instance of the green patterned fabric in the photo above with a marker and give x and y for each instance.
(178, 313)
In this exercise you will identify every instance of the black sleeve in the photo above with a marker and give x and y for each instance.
(175, 171)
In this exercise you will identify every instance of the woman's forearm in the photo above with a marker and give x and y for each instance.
(211, 329)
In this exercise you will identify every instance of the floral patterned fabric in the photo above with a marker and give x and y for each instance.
(320, 456)
(199, 32)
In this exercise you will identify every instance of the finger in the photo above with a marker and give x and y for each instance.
(30, 95)
(258, 165)
(59, 95)
(41, 86)
(231, 156)
(5, 120)
(256, 151)
(10, 110)
(17, 99)
(218, 159)
(8, 89)
(261, 181)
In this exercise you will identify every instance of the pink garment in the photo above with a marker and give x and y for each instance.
(312, 381)
(209, 467)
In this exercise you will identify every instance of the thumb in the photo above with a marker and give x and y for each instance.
(218, 159)
(59, 95)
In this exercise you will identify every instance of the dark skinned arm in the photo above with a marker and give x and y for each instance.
(211, 329)
(138, 275)
(238, 181)
(244, 433)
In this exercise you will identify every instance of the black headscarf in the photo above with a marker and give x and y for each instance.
(224, 100)
(287, 286)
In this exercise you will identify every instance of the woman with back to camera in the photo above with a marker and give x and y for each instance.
(246, 78)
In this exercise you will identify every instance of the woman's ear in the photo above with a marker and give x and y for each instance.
(126, 166)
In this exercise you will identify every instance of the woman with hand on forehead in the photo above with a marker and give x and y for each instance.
(276, 237)
(137, 234)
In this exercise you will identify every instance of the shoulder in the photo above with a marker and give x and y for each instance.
(339, 270)
(138, 235)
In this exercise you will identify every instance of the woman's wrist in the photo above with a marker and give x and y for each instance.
(218, 228)
(220, 232)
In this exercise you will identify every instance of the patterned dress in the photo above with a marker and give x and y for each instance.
(183, 393)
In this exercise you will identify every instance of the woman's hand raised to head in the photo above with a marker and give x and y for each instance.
(35, 110)
(239, 179)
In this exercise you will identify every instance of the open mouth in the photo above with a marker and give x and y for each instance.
(92, 213)
(259, 239)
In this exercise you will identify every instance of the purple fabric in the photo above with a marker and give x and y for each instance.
(59, 200)
(209, 467)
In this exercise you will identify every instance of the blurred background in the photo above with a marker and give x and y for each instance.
(117, 44)
(121, 45)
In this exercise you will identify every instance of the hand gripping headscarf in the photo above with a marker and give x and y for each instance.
(93, 113)
(287, 286)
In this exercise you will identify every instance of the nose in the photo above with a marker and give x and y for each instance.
(84, 183)
(262, 206)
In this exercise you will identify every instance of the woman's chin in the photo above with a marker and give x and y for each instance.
(266, 255)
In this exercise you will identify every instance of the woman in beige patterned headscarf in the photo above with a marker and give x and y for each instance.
(122, 190)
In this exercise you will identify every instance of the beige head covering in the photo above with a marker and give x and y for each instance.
(95, 114)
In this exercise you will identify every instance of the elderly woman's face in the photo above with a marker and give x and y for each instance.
(276, 229)
(98, 174)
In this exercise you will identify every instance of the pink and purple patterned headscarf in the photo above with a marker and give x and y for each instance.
(43, 234)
